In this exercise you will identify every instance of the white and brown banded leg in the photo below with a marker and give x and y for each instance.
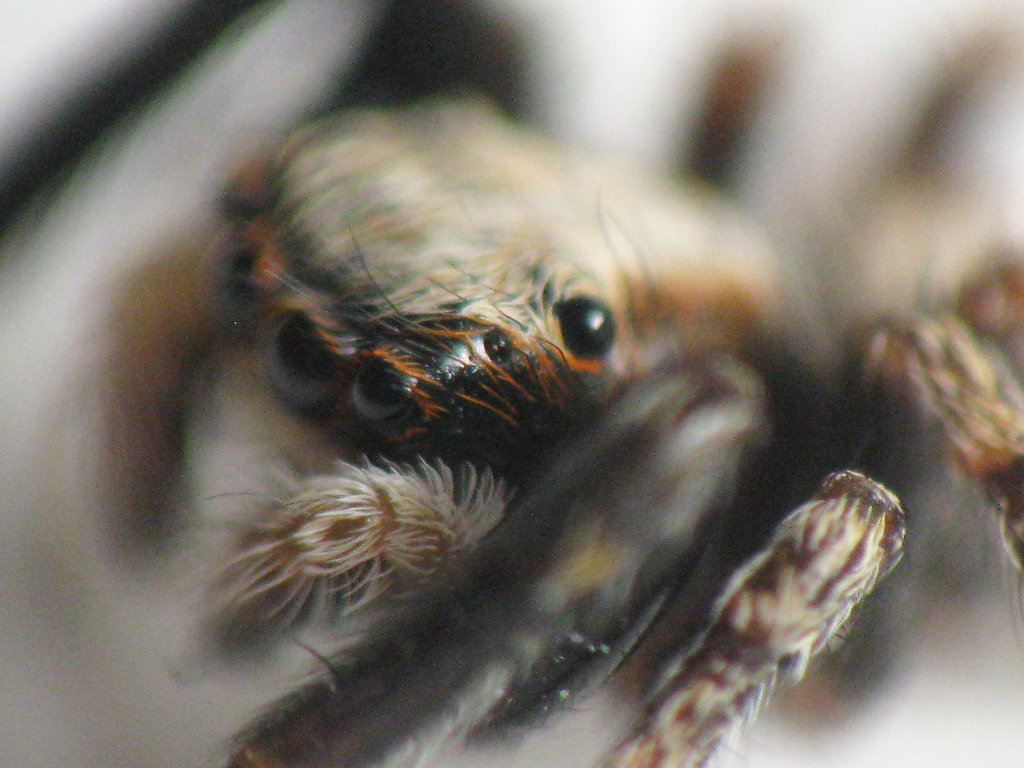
(970, 390)
(776, 612)
(343, 539)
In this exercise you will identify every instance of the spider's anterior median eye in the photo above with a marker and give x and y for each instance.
(302, 366)
(588, 326)
(380, 391)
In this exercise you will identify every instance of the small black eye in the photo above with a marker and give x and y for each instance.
(302, 366)
(502, 350)
(588, 326)
(380, 392)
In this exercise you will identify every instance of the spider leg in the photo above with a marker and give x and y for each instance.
(992, 303)
(344, 539)
(161, 329)
(971, 391)
(776, 612)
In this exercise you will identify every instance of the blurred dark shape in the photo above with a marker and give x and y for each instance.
(418, 48)
(428, 47)
(45, 155)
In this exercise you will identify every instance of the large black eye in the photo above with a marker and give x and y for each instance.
(588, 326)
(302, 366)
(380, 392)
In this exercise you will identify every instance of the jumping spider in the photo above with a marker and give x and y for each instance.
(574, 443)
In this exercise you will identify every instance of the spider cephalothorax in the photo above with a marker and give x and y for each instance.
(570, 397)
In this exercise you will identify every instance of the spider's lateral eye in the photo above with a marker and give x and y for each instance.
(302, 365)
(380, 392)
(236, 290)
(588, 326)
(235, 205)
(240, 260)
